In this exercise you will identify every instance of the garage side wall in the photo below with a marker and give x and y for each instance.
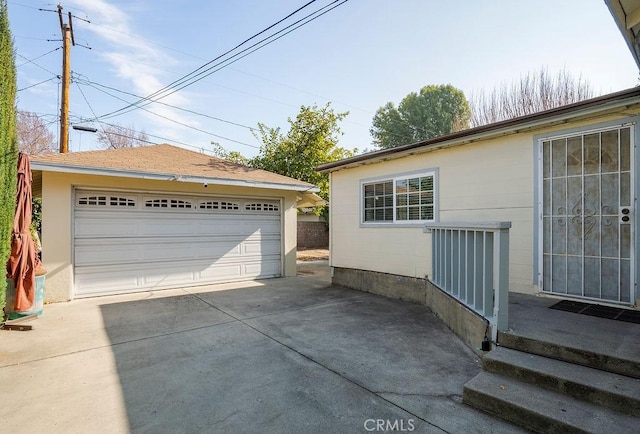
(56, 236)
(57, 215)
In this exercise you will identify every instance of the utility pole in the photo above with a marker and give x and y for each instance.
(67, 39)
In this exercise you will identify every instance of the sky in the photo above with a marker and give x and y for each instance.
(357, 56)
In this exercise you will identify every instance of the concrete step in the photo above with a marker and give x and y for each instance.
(571, 353)
(614, 391)
(541, 410)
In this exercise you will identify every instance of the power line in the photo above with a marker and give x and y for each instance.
(31, 37)
(170, 85)
(97, 119)
(222, 64)
(230, 62)
(37, 84)
(155, 66)
(36, 58)
(94, 114)
(164, 139)
(39, 66)
(195, 76)
(23, 5)
(94, 84)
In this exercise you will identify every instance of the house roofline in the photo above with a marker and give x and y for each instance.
(84, 170)
(625, 25)
(559, 115)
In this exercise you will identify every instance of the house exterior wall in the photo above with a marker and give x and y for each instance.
(57, 215)
(488, 180)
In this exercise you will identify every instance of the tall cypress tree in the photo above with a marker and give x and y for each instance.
(8, 140)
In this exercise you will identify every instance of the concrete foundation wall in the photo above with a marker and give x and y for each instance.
(466, 324)
(312, 235)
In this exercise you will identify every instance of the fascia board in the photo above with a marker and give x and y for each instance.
(52, 167)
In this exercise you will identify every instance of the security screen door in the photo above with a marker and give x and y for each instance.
(587, 215)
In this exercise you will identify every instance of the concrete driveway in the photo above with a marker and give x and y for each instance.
(289, 355)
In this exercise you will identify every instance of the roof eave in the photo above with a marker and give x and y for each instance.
(620, 17)
(84, 170)
(561, 115)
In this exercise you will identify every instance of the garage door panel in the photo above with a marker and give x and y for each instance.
(264, 268)
(91, 228)
(262, 247)
(130, 248)
(100, 280)
(115, 251)
(119, 226)
(105, 282)
(108, 254)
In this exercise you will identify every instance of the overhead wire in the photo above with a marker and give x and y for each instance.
(155, 66)
(97, 119)
(82, 120)
(37, 84)
(94, 114)
(40, 56)
(23, 5)
(195, 76)
(227, 62)
(94, 84)
(39, 66)
(186, 77)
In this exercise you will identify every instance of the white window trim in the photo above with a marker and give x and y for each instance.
(398, 177)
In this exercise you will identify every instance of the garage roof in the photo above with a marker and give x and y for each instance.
(167, 163)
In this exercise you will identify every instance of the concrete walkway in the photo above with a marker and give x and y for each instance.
(285, 355)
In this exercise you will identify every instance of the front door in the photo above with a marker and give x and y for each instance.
(587, 215)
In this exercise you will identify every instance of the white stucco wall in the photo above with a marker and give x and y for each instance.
(57, 211)
(488, 180)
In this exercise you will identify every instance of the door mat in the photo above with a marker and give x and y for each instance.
(598, 310)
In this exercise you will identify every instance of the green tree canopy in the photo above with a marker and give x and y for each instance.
(432, 112)
(8, 140)
(312, 140)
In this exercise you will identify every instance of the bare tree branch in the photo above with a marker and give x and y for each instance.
(34, 138)
(534, 92)
(118, 136)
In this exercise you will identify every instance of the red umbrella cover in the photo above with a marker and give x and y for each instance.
(24, 260)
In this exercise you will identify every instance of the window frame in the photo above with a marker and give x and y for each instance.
(394, 178)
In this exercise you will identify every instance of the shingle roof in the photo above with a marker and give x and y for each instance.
(162, 160)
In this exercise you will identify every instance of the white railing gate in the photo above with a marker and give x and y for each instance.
(470, 262)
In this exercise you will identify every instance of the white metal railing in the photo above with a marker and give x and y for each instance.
(470, 262)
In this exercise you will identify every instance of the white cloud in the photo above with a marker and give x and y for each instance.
(132, 58)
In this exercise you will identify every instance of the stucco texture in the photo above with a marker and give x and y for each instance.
(487, 180)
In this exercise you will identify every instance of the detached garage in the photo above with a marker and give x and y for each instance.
(159, 217)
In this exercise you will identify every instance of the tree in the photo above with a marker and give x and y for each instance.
(117, 136)
(312, 140)
(532, 93)
(8, 140)
(233, 156)
(432, 112)
(34, 138)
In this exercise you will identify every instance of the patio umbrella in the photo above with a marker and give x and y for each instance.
(24, 260)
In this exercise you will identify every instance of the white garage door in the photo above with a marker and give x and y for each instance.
(127, 242)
